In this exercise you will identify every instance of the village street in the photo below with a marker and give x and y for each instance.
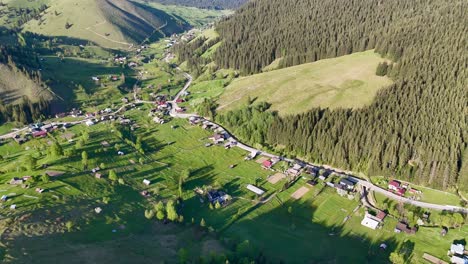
(174, 113)
(363, 183)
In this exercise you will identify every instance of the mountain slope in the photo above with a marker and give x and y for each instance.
(110, 23)
(15, 84)
(415, 129)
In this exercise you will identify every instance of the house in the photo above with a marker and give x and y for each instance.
(321, 177)
(311, 183)
(457, 249)
(158, 120)
(459, 260)
(218, 138)
(293, 172)
(380, 216)
(95, 170)
(146, 182)
(255, 189)
(347, 184)
(89, 123)
(414, 191)
(39, 134)
(39, 190)
(98, 175)
(341, 189)
(145, 193)
(297, 167)
(120, 153)
(105, 144)
(400, 191)
(16, 181)
(94, 78)
(125, 100)
(444, 231)
(217, 196)
(394, 185)
(98, 210)
(370, 222)
(267, 164)
(403, 227)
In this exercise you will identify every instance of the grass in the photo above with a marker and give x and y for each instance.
(113, 28)
(428, 195)
(313, 229)
(348, 81)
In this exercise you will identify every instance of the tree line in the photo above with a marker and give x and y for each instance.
(416, 129)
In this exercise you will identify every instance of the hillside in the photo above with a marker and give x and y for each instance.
(207, 4)
(415, 129)
(14, 84)
(109, 23)
(297, 89)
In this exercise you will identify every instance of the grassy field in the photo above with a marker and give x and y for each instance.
(348, 81)
(117, 25)
(428, 194)
(312, 227)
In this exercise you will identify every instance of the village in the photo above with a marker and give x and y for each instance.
(266, 179)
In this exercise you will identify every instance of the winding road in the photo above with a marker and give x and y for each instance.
(364, 183)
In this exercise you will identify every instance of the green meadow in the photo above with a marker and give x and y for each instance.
(344, 82)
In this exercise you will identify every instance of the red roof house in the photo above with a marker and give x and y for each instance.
(267, 164)
(394, 185)
(40, 134)
(400, 191)
(381, 215)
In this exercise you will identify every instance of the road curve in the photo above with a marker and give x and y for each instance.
(175, 114)
(370, 186)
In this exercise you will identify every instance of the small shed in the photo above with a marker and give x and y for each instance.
(146, 182)
(255, 189)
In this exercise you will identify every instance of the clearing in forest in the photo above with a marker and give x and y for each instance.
(348, 81)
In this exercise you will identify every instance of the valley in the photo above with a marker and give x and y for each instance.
(152, 149)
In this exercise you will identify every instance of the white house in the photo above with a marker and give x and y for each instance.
(369, 222)
(255, 189)
(89, 123)
(458, 260)
(457, 249)
(146, 182)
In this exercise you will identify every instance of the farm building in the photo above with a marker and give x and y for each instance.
(403, 227)
(370, 222)
(255, 189)
(89, 123)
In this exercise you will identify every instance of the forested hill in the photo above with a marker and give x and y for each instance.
(207, 4)
(416, 129)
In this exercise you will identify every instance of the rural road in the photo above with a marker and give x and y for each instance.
(175, 114)
(363, 183)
